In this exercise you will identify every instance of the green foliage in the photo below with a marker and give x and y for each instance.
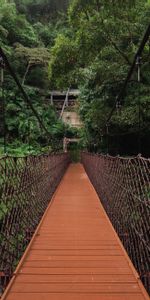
(92, 49)
(42, 10)
(17, 27)
(105, 37)
(63, 59)
(27, 30)
(33, 55)
(23, 133)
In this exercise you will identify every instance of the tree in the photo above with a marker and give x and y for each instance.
(33, 56)
(63, 61)
(41, 10)
(105, 36)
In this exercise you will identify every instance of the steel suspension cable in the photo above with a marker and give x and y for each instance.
(136, 57)
(25, 96)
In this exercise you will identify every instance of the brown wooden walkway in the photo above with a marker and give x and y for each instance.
(75, 253)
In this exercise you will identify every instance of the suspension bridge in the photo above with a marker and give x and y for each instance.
(75, 252)
(72, 231)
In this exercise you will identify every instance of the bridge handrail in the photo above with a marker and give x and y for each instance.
(26, 187)
(123, 185)
(139, 156)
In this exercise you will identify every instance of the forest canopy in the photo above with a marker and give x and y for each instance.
(89, 45)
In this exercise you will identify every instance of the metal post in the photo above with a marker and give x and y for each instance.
(52, 98)
(138, 63)
(107, 132)
(67, 98)
(2, 66)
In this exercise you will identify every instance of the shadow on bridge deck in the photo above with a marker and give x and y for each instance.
(75, 253)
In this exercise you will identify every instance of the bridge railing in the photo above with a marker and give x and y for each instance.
(26, 187)
(123, 185)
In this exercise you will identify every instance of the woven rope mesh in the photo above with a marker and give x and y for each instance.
(123, 186)
(26, 187)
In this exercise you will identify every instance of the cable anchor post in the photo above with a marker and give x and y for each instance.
(3, 102)
(107, 136)
(139, 63)
(118, 106)
(2, 67)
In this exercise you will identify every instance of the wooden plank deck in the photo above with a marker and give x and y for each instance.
(75, 253)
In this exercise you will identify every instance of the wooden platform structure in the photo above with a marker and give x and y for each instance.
(62, 99)
(75, 253)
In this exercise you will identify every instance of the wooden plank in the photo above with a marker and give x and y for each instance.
(76, 288)
(78, 252)
(103, 278)
(75, 263)
(65, 270)
(71, 296)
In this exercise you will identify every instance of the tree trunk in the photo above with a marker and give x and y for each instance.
(26, 73)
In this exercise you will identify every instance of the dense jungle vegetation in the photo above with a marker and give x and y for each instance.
(85, 44)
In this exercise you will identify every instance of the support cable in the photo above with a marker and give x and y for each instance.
(26, 99)
(137, 55)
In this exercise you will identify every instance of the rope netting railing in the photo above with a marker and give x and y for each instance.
(26, 187)
(123, 185)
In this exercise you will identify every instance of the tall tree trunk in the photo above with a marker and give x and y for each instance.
(26, 73)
